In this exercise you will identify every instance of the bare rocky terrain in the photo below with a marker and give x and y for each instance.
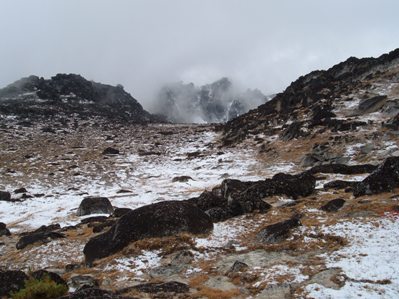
(295, 199)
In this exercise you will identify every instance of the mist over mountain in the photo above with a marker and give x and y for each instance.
(216, 102)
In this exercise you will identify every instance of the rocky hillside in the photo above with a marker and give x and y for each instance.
(211, 103)
(295, 199)
(352, 95)
(66, 97)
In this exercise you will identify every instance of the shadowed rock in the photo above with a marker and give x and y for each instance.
(277, 232)
(4, 231)
(94, 205)
(384, 179)
(5, 196)
(339, 184)
(110, 151)
(233, 197)
(343, 169)
(37, 237)
(11, 281)
(333, 205)
(163, 287)
(156, 220)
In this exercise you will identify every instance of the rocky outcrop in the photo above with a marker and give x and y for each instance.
(95, 205)
(66, 95)
(233, 197)
(309, 100)
(155, 220)
(384, 179)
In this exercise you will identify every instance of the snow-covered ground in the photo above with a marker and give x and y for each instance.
(370, 260)
(149, 179)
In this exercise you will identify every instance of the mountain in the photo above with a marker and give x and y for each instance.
(211, 103)
(67, 96)
(353, 95)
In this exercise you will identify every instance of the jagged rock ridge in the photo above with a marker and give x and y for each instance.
(314, 99)
(212, 103)
(66, 95)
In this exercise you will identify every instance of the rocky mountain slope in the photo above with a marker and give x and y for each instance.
(217, 102)
(65, 97)
(295, 199)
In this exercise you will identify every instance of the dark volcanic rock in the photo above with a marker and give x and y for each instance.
(11, 281)
(5, 196)
(233, 197)
(277, 232)
(182, 179)
(155, 220)
(384, 179)
(20, 190)
(333, 205)
(343, 169)
(37, 237)
(95, 205)
(339, 184)
(110, 151)
(119, 212)
(163, 287)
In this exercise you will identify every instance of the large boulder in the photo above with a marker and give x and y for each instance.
(95, 205)
(384, 179)
(156, 220)
(11, 281)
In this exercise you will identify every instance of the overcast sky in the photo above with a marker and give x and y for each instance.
(143, 44)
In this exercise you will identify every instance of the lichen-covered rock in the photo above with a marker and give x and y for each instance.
(155, 220)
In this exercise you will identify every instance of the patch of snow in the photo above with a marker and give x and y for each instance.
(273, 275)
(371, 255)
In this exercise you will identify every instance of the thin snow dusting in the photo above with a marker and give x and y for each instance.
(370, 261)
(148, 259)
(148, 178)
